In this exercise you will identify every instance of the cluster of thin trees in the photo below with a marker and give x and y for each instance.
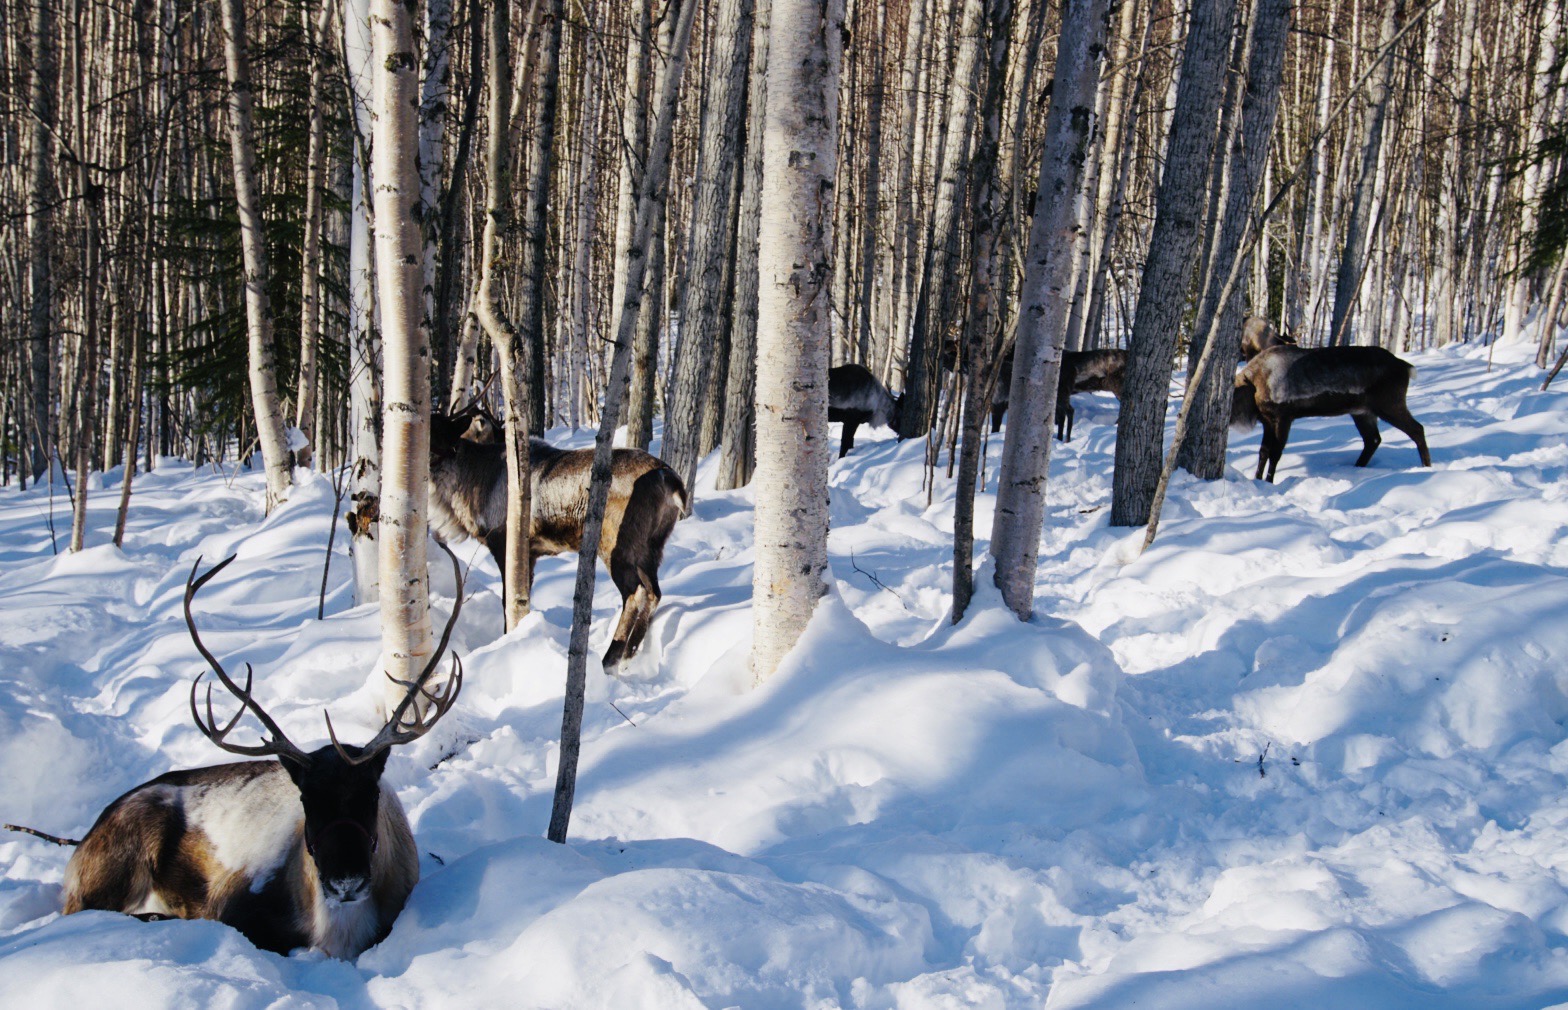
(236, 226)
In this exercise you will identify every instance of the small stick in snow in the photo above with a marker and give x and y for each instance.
(332, 530)
(880, 584)
(622, 714)
(56, 839)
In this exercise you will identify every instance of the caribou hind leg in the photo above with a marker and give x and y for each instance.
(624, 575)
(651, 513)
(495, 540)
(1399, 416)
(1370, 439)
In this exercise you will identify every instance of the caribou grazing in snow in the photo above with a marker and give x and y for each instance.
(1286, 382)
(855, 397)
(1081, 372)
(1085, 372)
(468, 487)
(308, 850)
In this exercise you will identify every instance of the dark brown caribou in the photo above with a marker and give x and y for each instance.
(855, 397)
(1286, 382)
(1081, 372)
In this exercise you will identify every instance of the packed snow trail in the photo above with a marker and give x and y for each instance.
(1307, 751)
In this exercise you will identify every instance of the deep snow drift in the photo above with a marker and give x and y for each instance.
(1308, 751)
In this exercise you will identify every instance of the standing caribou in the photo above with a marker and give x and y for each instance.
(1085, 372)
(468, 487)
(855, 397)
(1081, 372)
(308, 850)
(1286, 382)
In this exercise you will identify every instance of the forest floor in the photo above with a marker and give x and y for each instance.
(1308, 751)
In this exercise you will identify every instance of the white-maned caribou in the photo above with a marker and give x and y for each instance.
(310, 849)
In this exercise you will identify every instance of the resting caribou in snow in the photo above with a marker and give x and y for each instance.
(1286, 382)
(308, 850)
(856, 397)
(468, 485)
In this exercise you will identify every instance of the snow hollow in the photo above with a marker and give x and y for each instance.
(1308, 751)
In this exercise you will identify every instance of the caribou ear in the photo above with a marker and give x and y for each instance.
(378, 764)
(296, 769)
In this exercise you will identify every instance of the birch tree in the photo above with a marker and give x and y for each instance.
(310, 255)
(1168, 268)
(1045, 303)
(405, 420)
(703, 304)
(1203, 451)
(1353, 254)
(364, 353)
(258, 309)
(653, 191)
(740, 414)
(516, 571)
(42, 87)
(800, 143)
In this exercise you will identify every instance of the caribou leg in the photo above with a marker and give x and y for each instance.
(496, 541)
(1370, 439)
(634, 620)
(1399, 416)
(849, 438)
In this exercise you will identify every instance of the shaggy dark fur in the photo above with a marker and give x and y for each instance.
(468, 499)
(1086, 372)
(855, 397)
(1082, 372)
(1286, 382)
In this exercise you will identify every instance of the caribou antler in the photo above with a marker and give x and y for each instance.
(477, 398)
(402, 725)
(275, 744)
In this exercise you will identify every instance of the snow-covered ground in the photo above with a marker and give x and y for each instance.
(1308, 751)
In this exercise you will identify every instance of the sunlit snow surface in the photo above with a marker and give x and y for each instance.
(1305, 752)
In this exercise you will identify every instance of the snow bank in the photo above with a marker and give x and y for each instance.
(1308, 750)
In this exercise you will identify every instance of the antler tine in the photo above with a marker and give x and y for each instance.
(209, 727)
(397, 730)
(276, 743)
(478, 398)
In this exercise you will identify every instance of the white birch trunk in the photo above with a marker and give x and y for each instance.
(793, 327)
(434, 99)
(310, 255)
(1523, 284)
(364, 355)
(405, 417)
(1045, 298)
(258, 309)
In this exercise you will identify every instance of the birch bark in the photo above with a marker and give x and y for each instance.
(800, 142)
(1044, 303)
(405, 419)
(258, 308)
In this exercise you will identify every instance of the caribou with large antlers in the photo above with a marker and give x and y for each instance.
(308, 850)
